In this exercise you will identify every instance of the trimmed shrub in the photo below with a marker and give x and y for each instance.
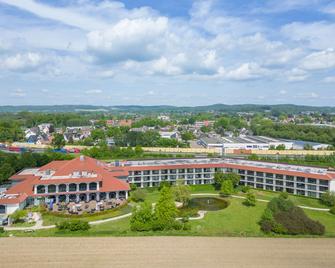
(73, 226)
(328, 199)
(245, 189)
(250, 201)
(282, 217)
(332, 210)
(2, 229)
(138, 195)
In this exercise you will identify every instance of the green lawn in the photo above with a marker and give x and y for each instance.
(23, 224)
(235, 220)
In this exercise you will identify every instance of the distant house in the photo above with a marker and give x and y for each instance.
(141, 129)
(163, 117)
(169, 135)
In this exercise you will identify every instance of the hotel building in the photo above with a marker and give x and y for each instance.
(300, 180)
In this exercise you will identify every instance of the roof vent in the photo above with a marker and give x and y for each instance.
(82, 158)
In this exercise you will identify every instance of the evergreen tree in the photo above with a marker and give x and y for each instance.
(165, 210)
(227, 187)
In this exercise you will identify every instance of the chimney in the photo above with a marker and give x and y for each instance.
(82, 158)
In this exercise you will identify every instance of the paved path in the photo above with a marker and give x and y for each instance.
(260, 200)
(183, 252)
(39, 224)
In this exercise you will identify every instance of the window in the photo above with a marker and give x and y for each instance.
(137, 172)
(300, 179)
(279, 176)
(241, 171)
(290, 184)
(93, 186)
(164, 171)
(268, 187)
(51, 188)
(311, 187)
(249, 172)
(269, 181)
(279, 189)
(311, 194)
(190, 170)
(269, 175)
(198, 170)
(279, 182)
(251, 179)
(72, 187)
(2, 209)
(62, 188)
(259, 180)
(207, 170)
(323, 182)
(289, 178)
(82, 187)
(301, 185)
(40, 189)
(173, 171)
(323, 188)
(259, 186)
(311, 180)
(300, 192)
(181, 170)
(260, 174)
(146, 172)
(155, 172)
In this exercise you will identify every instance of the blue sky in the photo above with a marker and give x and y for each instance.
(176, 52)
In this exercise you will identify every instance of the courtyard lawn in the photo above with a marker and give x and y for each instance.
(51, 218)
(297, 200)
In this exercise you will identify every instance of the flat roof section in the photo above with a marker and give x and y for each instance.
(266, 165)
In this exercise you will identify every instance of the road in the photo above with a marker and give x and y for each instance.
(167, 252)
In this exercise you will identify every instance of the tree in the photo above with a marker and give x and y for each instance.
(58, 141)
(281, 147)
(165, 210)
(186, 136)
(233, 177)
(218, 179)
(328, 198)
(6, 170)
(142, 218)
(250, 200)
(182, 192)
(227, 187)
(18, 215)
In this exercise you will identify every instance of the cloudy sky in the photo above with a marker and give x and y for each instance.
(177, 52)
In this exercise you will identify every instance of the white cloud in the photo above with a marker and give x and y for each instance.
(246, 71)
(22, 62)
(316, 35)
(139, 39)
(106, 74)
(296, 75)
(66, 16)
(319, 60)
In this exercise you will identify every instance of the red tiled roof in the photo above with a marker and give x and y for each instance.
(54, 165)
(13, 200)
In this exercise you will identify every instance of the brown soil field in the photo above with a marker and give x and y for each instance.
(167, 252)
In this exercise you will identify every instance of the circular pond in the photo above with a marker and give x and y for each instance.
(207, 203)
